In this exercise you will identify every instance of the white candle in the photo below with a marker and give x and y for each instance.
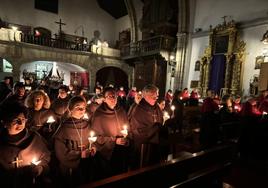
(124, 131)
(172, 108)
(86, 116)
(35, 162)
(264, 113)
(89, 102)
(166, 116)
(50, 119)
(180, 98)
(92, 138)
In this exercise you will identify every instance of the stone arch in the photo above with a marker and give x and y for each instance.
(112, 75)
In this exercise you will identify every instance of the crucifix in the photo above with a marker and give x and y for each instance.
(60, 23)
(17, 162)
(224, 19)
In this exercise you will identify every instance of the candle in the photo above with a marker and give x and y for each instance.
(89, 102)
(172, 108)
(86, 116)
(92, 138)
(264, 113)
(180, 98)
(50, 119)
(124, 131)
(166, 116)
(140, 92)
(35, 163)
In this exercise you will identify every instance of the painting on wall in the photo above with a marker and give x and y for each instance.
(259, 61)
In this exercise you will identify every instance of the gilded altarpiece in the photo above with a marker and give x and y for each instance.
(224, 44)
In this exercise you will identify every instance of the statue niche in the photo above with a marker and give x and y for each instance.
(222, 61)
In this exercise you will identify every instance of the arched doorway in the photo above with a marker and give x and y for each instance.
(112, 75)
(70, 74)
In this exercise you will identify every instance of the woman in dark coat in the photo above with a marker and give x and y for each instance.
(24, 156)
(72, 145)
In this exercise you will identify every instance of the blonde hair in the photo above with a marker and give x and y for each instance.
(29, 102)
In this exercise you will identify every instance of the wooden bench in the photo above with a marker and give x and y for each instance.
(185, 170)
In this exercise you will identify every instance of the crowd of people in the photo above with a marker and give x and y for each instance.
(72, 139)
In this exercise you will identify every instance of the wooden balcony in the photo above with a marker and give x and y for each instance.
(148, 47)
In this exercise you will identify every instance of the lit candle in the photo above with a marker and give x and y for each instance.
(140, 92)
(124, 131)
(220, 106)
(166, 116)
(50, 119)
(180, 98)
(89, 102)
(86, 116)
(92, 138)
(172, 108)
(264, 113)
(35, 163)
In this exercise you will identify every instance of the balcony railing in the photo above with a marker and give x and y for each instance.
(55, 43)
(147, 46)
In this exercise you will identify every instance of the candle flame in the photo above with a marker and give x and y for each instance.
(35, 162)
(172, 107)
(89, 102)
(124, 131)
(86, 116)
(92, 138)
(50, 119)
(264, 113)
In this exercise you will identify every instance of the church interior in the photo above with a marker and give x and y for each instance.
(204, 61)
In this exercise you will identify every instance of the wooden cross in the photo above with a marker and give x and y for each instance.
(60, 23)
(17, 162)
(224, 19)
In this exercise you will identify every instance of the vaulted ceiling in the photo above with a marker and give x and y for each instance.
(115, 8)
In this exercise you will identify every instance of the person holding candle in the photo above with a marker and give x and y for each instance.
(18, 147)
(38, 104)
(71, 145)
(110, 122)
(145, 122)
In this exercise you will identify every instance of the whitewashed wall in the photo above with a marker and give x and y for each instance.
(72, 12)
(121, 24)
(209, 12)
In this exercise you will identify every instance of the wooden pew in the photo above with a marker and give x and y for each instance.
(210, 162)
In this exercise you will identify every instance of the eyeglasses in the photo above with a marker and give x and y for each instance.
(19, 121)
(80, 108)
(111, 97)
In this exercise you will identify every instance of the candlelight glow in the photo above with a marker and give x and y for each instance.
(180, 98)
(89, 102)
(236, 107)
(50, 119)
(124, 131)
(264, 113)
(86, 116)
(35, 162)
(172, 107)
(92, 138)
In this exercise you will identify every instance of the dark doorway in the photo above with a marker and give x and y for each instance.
(112, 75)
